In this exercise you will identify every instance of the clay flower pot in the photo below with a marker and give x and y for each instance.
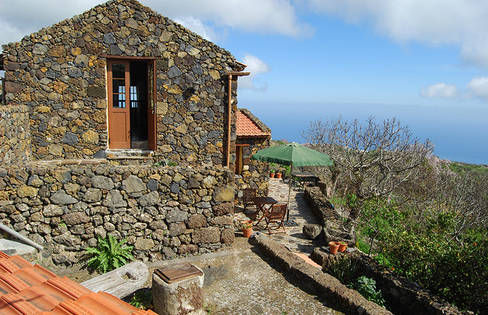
(333, 247)
(247, 228)
(247, 232)
(272, 174)
(278, 175)
(342, 247)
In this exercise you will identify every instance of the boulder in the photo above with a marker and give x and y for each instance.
(311, 231)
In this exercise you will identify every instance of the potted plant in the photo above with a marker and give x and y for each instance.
(278, 174)
(247, 228)
(272, 173)
(342, 247)
(333, 247)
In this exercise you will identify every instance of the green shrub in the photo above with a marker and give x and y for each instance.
(426, 252)
(345, 270)
(141, 299)
(367, 287)
(109, 254)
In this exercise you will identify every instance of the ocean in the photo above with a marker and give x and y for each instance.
(458, 134)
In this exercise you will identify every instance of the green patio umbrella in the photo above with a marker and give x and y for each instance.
(292, 154)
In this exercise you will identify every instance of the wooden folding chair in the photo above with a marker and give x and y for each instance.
(276, 215)
(248, 196)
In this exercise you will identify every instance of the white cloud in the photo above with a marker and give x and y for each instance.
(479, 87)
(256, 66)
(442, 90)
(197, 26)
(462, 23)
(22, 17)
(261, 16)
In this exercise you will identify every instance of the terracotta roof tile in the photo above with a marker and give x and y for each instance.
(246, 127)
(27, 289)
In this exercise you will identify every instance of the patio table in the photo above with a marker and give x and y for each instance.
(305, 177)
(263, 204)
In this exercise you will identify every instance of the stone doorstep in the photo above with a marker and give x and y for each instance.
(129, 154)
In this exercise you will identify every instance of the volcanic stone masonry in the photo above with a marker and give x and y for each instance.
(163, 211)
(60, 74)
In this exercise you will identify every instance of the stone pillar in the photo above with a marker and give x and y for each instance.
(177, 292)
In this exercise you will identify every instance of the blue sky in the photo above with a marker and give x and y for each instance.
(422, 61)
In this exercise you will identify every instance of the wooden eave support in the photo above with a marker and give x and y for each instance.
(230, 76)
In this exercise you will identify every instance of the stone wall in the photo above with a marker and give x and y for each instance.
(14, 135)
(336, 227)
(255, 174)
(60, 74)
(163, 211)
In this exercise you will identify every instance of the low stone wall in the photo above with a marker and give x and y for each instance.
(15, 144)
(163, 211)
(324, 285)
(402, 295)
(335, 227)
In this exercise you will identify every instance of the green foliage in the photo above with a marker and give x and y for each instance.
(166, 162)
(460, 168)
(273, 167)
(109, 254)
(141, 299)
(352, 201)
(367, 287)
(338, 201)
(428, 250)
(287, 170)
(345, 270)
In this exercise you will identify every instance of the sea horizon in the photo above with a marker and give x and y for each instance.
(456, 133)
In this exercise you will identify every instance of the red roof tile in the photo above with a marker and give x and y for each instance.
(27, 289)
(246, 127)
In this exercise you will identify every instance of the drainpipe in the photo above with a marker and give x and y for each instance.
(230, 75)
(20, 237)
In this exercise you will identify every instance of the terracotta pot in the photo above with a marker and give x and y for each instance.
(278, 175)
(272, 175)
(333, 247)
(247, 232)
(342, 247)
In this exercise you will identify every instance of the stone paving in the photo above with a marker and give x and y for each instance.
(300, 214)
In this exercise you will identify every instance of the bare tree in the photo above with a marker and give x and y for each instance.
(371, 159)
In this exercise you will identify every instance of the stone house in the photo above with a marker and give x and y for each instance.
(121, 81)
(252, 135)
(123, 78)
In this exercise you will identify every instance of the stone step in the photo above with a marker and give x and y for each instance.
(132, 154)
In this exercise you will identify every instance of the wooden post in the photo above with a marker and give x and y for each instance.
(289, 191)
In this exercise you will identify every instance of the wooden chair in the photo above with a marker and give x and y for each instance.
(248, 196)
(276, 215)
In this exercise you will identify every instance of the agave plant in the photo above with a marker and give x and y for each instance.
(109, 254)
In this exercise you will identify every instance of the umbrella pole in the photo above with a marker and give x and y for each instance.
(289, 191)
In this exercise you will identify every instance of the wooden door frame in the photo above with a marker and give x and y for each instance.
(151, 106)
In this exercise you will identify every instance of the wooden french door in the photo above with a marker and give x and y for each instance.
(119, 104)
(126, 88)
